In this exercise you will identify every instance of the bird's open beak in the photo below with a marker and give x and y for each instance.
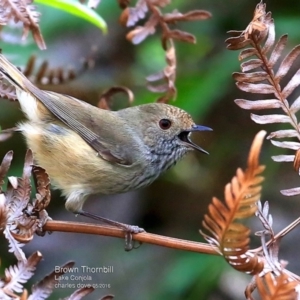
(184, 136)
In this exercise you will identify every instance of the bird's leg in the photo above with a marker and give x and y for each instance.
(128, 229)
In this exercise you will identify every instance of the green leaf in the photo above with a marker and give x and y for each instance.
(77, 9)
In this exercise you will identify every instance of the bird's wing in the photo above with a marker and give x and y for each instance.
(58, 105)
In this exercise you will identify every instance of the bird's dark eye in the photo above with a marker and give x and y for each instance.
(165, 124)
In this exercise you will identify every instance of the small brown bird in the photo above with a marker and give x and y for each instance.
(87, 150)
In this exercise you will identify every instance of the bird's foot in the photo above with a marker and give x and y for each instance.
(129, 230)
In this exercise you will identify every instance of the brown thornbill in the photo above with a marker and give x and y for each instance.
(87, 150)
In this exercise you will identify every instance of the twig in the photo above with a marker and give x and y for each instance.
(287, 229)
(279, 235)
(144, 237)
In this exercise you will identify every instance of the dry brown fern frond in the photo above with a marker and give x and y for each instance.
(280, 287)
(22, 11)
(261, 76)
(4, 167)
(7, 90)
(19, 220)
(42, 74)
(241, 197)
(23, 218)
(45, 287)
(157, 19)
(42, 184)
(106, 98)
(16, 276)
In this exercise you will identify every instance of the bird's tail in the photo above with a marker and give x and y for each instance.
(11, 73)
(27, 100)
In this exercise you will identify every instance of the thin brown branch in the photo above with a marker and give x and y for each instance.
(280, 234)
(169, 242)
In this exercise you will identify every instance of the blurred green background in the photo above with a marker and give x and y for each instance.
(175, 204)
